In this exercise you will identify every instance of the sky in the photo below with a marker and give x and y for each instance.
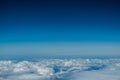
(37, 28)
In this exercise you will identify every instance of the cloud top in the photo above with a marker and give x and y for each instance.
(61, 69)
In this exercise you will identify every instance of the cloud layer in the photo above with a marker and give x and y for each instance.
(61, 69)
(56, 49)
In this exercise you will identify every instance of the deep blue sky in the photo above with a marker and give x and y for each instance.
(59, 21)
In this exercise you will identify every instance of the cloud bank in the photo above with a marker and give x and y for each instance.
(61, 69)
(55, 49)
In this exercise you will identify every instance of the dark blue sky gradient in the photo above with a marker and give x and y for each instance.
(50, 28)
(59, 20)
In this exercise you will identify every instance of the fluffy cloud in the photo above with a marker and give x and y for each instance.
(61, 69)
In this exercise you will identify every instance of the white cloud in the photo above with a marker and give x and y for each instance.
(62, 69)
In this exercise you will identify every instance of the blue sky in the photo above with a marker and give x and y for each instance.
(62, 28)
